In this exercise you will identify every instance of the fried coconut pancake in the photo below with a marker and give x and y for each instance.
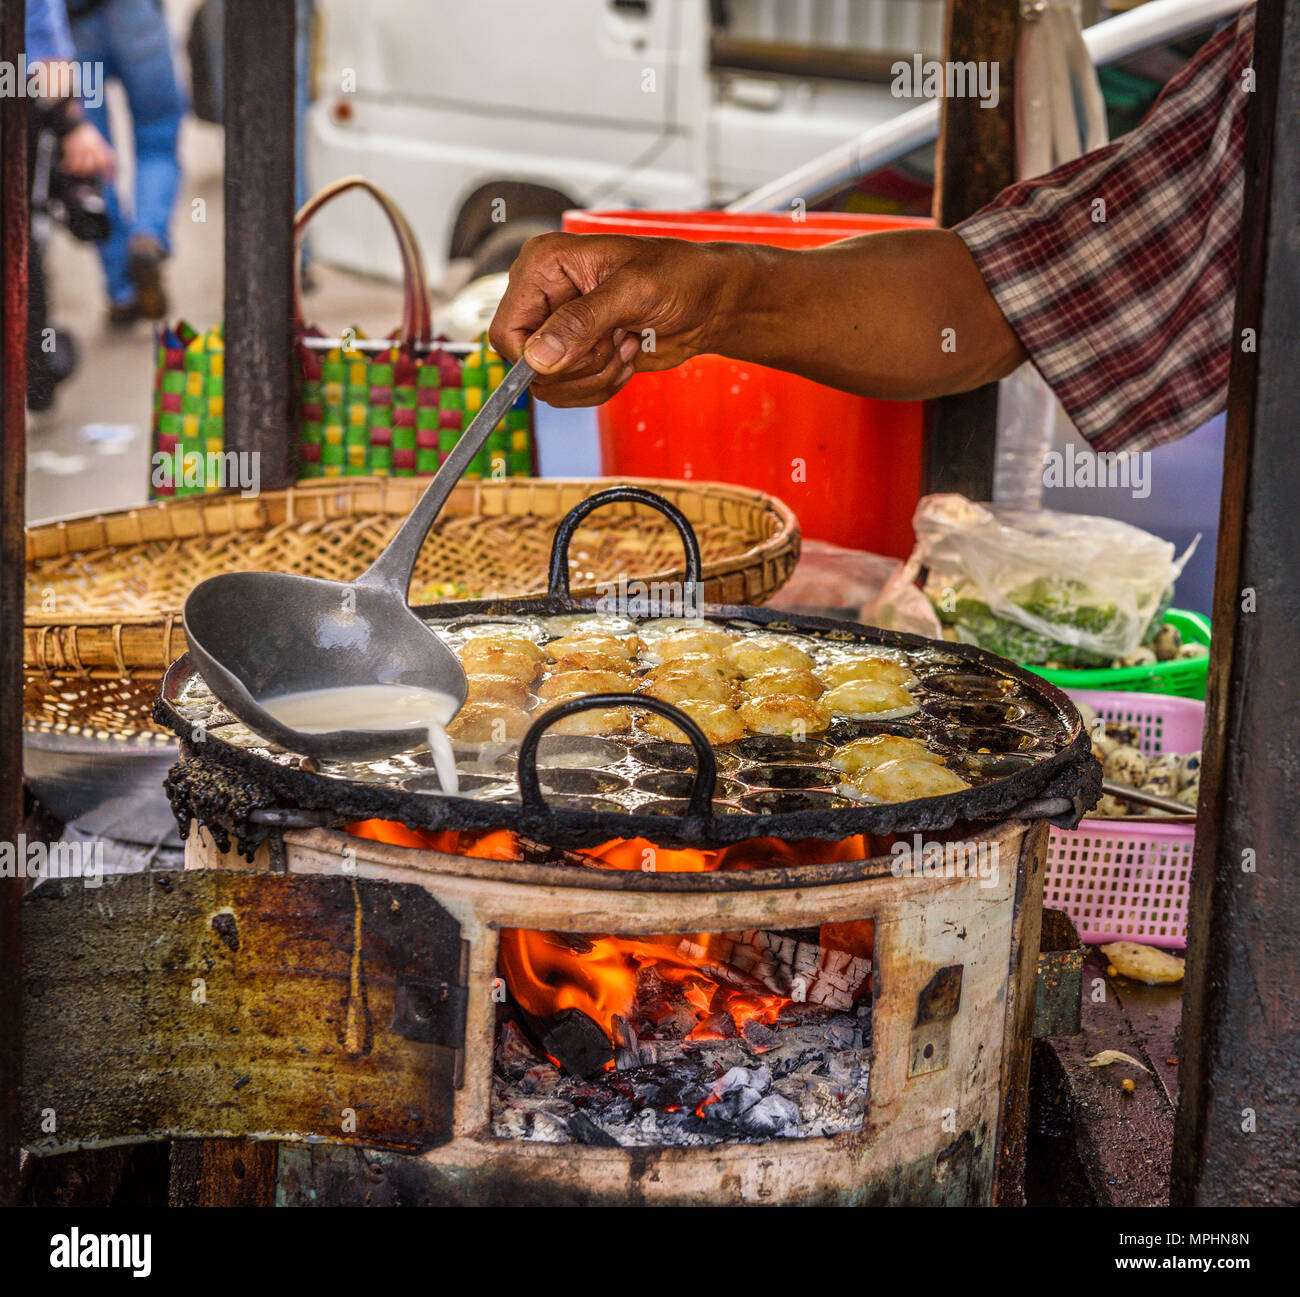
(766, 653)
(619, 646)
(784, 714)
(683, 642)
(477, 644)
(868, 753)
(496, 661)
(509, 690)
(711, 665)
(583, 660)
(489, 723)
(687, 686)
(867, 700)
(784, 680)
(580, 683)
(720, 723)
(598, 720)
(879, 670)
(901, 781)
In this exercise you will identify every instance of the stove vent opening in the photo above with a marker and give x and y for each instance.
(683, 1039)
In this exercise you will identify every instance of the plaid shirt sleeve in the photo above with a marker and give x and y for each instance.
(1118, 270)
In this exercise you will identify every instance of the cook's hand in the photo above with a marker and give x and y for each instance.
(86, 152)
(590, 310)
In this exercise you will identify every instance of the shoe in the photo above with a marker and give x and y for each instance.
(64, 358)
(145, 256)
(123, 313)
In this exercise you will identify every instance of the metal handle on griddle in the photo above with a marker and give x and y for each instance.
(559, 569)
(706, 774)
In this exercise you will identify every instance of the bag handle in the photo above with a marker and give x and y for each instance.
(417, 323)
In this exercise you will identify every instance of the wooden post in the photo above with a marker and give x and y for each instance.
(258, 97)
(1238, 1124)
(975, 161)
(258, 109)
(13, 468)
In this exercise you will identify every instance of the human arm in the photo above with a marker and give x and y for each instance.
(901, 314)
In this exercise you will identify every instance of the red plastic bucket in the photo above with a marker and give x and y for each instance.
(849, 467)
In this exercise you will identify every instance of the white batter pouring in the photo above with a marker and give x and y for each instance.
(375, 707)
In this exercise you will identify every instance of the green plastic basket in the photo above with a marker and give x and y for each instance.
(1185, 677)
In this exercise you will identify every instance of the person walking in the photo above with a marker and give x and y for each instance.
(129, 38)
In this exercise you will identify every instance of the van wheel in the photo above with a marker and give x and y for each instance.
(497, 253)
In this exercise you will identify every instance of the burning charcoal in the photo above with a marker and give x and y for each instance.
(649, 984)
(576, 1042)
(772, 1116)
(515, 1054)
(657, 1010)
(585, 1131)
(758, 1035)
(717, 1026)
(627, 1051)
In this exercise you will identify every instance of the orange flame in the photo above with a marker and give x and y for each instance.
(754, 853)
(488, 844)
(546, 973)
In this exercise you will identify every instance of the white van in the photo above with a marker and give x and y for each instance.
(485, 121)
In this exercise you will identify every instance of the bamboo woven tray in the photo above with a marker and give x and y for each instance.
(104, 592)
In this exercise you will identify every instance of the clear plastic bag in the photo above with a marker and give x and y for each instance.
(855, 585)
(1038, 585)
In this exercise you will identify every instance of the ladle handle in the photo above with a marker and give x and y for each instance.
(392, 569)
(706, 764)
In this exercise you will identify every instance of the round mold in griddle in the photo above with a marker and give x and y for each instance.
(480, 758)
(779, 801)
(988, 740)
(680, 756)
(460, 628)
(469, 784)
(994, 765)
(780, 747)
(679, 807)
(969, 686)
(574, 802)
(844, 731)
(984, 712)
(579, 752)
(678, 784)
(791, 777)
(560, 779)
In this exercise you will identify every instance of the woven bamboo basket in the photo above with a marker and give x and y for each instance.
(104, 592)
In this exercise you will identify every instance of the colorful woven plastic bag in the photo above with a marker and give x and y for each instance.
(394, 407)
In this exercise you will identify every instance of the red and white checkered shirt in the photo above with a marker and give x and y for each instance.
(1118, 270)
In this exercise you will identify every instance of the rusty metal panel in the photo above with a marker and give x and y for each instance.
(223, 1003)
(1060, 977)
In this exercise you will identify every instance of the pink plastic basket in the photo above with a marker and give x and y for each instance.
(1126, 880)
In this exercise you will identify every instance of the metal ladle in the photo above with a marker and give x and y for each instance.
(255, 636)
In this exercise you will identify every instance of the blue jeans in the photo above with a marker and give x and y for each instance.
(130, 39)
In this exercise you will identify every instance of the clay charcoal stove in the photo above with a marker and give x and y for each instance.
(700, 943)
